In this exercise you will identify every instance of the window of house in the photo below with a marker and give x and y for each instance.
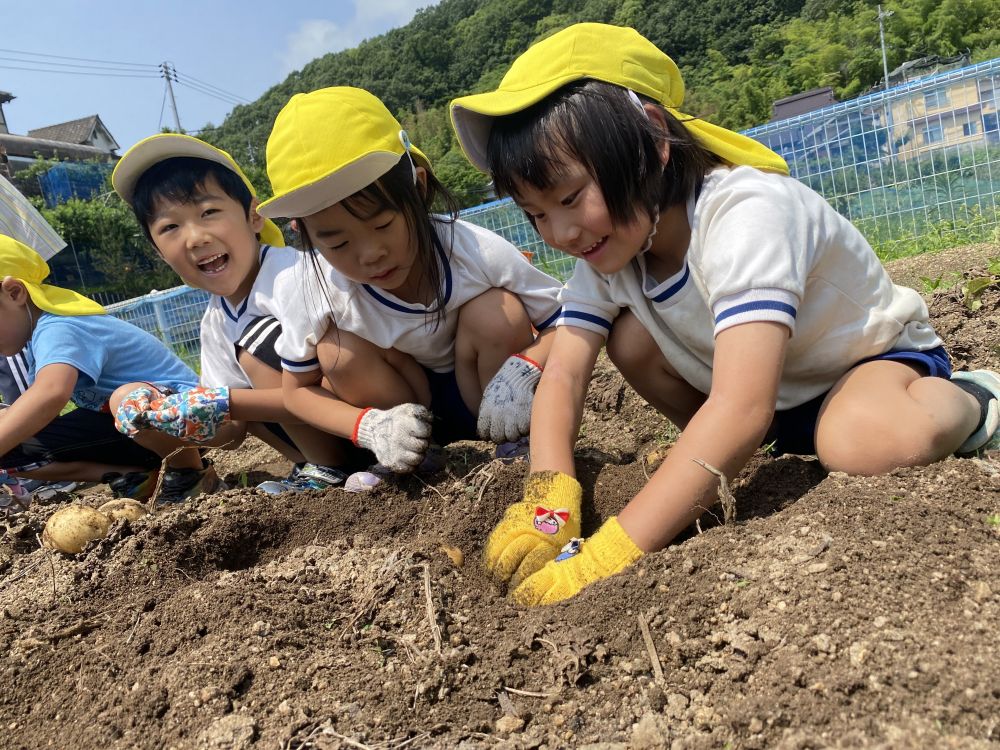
(970, 128)
(936, 99)
(989, 121)
(934, 133)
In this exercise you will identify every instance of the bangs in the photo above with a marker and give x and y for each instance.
(604, 129)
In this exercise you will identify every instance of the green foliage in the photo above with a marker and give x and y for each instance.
(106, 239)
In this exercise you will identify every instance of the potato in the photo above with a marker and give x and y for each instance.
(124, 507)
(69, 529)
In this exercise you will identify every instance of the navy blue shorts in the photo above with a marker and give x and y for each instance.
(452, 418)
(794, 430)
(80, 435)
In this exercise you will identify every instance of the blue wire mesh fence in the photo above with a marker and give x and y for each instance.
(914, 161)
(82, 180)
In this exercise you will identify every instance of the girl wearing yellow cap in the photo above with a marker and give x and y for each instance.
(733, 298)
(425, 312)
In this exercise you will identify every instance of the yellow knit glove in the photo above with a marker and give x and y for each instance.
(580, 564)
(533, 531)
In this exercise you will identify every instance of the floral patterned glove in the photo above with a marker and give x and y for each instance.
(130, 417)
(533, 531)
(581, 563)
(193, 415)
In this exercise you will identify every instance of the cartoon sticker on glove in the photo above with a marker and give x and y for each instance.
(550, 521)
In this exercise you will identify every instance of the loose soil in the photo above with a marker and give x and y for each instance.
(835, 612)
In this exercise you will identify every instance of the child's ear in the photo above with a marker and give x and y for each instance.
(421, 179)
(656, 116)
(15, 289)
(294, 224)
(256, 220)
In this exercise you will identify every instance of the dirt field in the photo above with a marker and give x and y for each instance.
(835, 612)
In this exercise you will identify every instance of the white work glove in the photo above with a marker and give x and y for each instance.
(399, 437)
(505, 411)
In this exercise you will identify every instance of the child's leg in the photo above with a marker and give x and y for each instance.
(81, 445)
(491, 327)
(884, 414)
(310, 444)
(178, 455)
(639, 359)
(362, 374)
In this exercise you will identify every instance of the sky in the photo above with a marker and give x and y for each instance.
(67, 59)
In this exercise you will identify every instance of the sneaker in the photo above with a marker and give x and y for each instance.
(182, 484)
(47, 491)
(138, 485)
(987, 436)
(305, 477)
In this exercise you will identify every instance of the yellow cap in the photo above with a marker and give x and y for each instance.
(613, 54)
(329, 144)
(26, 265)
(163, 146)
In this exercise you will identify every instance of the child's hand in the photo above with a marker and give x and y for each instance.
(532, 532)
(131, 414)
(580, 564)
(505, 411)
(193, 415)
(399, 437)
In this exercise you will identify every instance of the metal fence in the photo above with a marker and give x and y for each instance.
(918, 160)
(914, 163)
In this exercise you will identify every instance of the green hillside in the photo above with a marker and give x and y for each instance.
(737, 56)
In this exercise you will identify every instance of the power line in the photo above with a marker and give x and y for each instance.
(80, 59)
(206, 92)
(79, 73)
(75, 66)
(209, 85)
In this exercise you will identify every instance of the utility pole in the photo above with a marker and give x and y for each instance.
(882, 15)
(168, 73)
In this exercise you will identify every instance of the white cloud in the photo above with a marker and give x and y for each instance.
(317, 37)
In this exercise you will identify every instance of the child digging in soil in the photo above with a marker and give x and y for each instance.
(733, 298)
(431, 319)
(81, 354)
(199, 210)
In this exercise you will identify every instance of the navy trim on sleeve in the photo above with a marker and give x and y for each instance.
(759, 305)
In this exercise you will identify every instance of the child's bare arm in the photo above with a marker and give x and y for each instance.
(260, 405)
(37, 406)
(559, 399)
(724, 433)
(307, 400)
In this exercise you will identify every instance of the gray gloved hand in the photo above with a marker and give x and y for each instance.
(505, 411)
(399, 437)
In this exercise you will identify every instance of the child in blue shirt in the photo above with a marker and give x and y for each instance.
(79, 353)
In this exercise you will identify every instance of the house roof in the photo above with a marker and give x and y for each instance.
(29, 148)
(6, 96)
(75, 131)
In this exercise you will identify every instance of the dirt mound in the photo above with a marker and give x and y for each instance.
(836, 611)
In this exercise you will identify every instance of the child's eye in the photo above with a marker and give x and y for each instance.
(569, 199)
(209, 211)
(385, 224)
(164, 228)
(339, 245)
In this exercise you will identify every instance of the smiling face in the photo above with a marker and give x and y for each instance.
(209, 241)
(374, 247)
(15, 320)
(571, 215)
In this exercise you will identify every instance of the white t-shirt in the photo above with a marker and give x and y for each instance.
(478, 260)
(277, 291)
(764, 247)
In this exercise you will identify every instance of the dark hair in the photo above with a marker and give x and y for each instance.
(599, 125)
(396, 190)
(181, 179)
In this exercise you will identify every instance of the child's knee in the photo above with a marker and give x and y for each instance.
(497, 316)
(630, 346)
(122, 391)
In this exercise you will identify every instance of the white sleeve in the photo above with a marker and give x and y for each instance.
(756, 239)
(306, 312)
(218, 356)
(506, 268)
(586, 301)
